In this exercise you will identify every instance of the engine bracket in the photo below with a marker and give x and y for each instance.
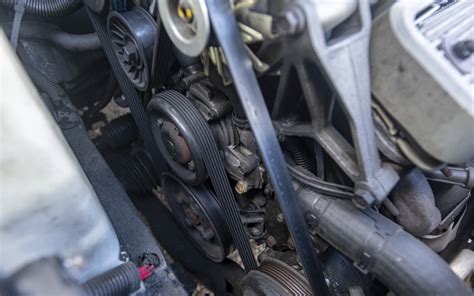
(343, 62)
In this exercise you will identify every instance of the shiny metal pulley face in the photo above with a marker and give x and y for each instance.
(187, 23)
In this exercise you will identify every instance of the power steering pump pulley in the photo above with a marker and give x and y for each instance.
(199, 214)
(173, 118)
(177, 143)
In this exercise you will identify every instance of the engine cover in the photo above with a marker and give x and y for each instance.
(421, 81)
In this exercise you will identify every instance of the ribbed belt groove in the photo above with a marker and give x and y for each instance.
(161, 56)
(286, 278)
(215, 169)
(99, 22)
(227, 33)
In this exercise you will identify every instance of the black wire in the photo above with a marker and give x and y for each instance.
(319, 185)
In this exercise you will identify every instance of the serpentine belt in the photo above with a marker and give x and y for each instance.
(226, 30)
(211, 155)
(138, 112)
(182, 107)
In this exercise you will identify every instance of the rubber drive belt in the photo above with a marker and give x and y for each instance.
(227, 33)
(213, 163)
(173, 100)
(138, 112)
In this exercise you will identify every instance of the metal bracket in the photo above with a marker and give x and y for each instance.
(19, 8)
(343, 62)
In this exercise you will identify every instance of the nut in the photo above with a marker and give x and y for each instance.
(241, 187)
(280, 218)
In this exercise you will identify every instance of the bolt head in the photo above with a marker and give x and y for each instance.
(280, 218)
(271, 241)
(130, 53)
(241, 187)
(255, 231)
(291, 21)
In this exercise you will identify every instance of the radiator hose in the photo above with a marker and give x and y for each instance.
(403, 263)
(56, 36)
(46, 8)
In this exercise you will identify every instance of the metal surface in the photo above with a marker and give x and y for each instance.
(187, 24)
(457, 176)
(212, 103)
(41, 181)
(447, 230)
(418, 84)
(463, 264)
(186, 114)
(197, 211)
(240, 66)
(32, 278)
(343, 61)
(132, 34)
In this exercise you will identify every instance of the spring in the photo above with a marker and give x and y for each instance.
(296, 149)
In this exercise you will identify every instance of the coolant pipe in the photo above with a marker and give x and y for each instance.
(375, 243)
(46, 8)
(53, 34)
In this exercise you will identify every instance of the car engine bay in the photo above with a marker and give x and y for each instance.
(236, 147)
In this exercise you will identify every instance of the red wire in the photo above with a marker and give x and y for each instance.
(145, 271)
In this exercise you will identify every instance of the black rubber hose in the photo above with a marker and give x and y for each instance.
(53, 34)
(121, 280)
(46, 8)
(118, 133)
(403, 263)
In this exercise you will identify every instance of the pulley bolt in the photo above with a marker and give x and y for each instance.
(185, 11)
(149, 259)
(191, 166)
(254, 231)
(280, 218)
(291, 21)
(130, 53)
(241, 187)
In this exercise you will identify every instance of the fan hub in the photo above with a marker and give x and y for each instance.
(130, 53)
